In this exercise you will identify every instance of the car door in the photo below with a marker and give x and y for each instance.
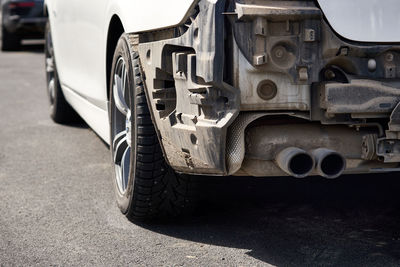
(80, 46)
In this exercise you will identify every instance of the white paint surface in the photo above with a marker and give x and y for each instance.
(364, 20)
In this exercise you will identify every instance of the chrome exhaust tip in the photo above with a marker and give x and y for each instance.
(329, 164)
(295, 162)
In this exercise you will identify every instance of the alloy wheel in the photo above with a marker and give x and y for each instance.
(50, 68)
(121, 126)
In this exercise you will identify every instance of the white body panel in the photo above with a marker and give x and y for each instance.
(96, 117)
(364, 20)
(80, 30)
(139, 15)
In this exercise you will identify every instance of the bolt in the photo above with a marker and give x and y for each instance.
(329, 74)
(279, 52)
(389, 57)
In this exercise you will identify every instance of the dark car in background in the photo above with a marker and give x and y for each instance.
(21, 19)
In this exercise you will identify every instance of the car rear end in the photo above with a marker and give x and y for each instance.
(269, 88)
(22, 19)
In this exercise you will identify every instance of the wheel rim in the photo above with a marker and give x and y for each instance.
(50, 67)
(121, 126)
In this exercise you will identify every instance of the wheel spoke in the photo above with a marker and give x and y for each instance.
(118, 137)
(50, 64)
(125, 162)
(120, 146)
(124, 76)
(51, 91)
(118, 93)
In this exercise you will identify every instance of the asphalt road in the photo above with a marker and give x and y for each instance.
(57, 205)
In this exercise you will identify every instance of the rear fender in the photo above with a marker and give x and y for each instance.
(139, 16)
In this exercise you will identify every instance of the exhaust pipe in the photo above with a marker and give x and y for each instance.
(295, 162)
(329, 164)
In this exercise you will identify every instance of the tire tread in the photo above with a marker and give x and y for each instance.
(158, 191)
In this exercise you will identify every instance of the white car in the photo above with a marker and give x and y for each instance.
(227, 87)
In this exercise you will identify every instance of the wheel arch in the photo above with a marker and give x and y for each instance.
(115, 30)
(119, 14)
(46, 8)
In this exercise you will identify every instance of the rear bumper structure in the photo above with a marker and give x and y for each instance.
(267, 88)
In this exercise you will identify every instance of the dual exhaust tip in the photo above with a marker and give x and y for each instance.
(300, 163)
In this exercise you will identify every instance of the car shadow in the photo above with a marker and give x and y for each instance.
(77, 123)
(34, 48)
(289, 222)
(81, 124)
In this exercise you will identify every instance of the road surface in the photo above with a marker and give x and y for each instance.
(57, 205)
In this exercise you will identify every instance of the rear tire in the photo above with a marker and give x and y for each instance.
(145, 186)
(60, 110)
(9, 41)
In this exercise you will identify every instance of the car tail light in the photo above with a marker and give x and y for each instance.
(21, 4)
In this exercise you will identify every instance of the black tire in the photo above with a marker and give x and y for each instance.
(9, 41)
(60, 110)
(152, 189)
